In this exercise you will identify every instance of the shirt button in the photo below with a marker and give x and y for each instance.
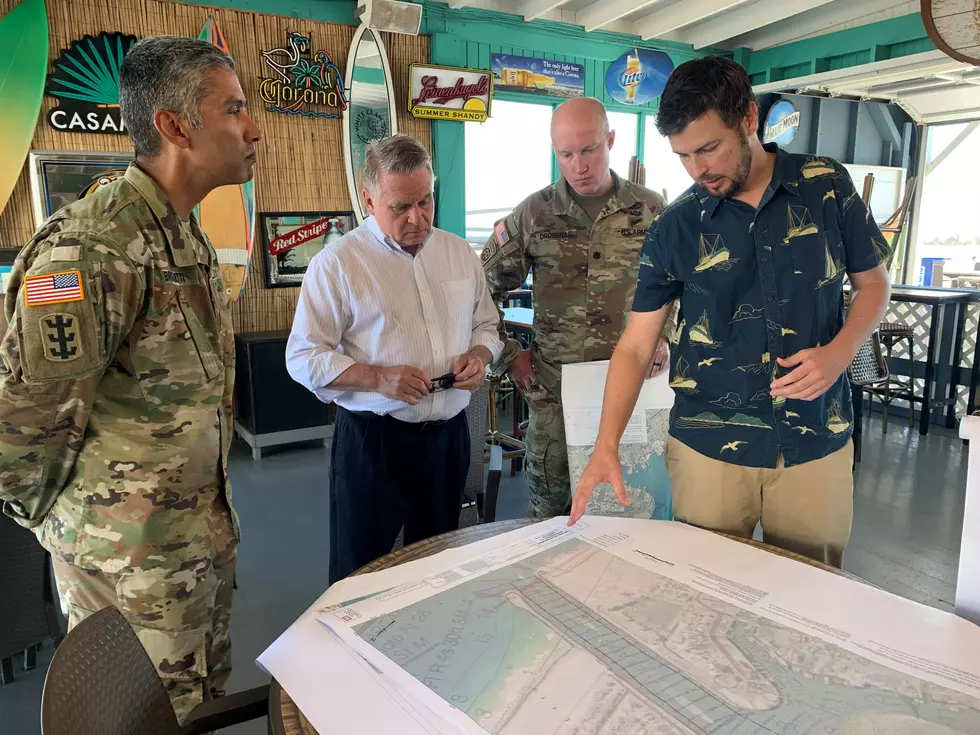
(765, 259)
(596, 255)
(769, 299)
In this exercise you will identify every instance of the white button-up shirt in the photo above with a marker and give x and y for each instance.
(364, 300)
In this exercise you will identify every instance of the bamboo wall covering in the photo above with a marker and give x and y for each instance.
(300, 164)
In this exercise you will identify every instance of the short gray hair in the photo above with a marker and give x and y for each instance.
(166, 73)
(399, 154)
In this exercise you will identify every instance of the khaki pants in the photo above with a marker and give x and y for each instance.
(806, 508)
(179, 611)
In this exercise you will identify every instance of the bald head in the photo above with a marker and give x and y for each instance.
(580, 111)
(581, 138)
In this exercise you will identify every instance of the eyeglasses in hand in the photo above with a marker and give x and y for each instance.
(443, 382)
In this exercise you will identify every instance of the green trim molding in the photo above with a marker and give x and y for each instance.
(886, 39)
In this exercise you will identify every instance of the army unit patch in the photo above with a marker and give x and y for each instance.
(489, 250)
(54, 288)
(59, 333)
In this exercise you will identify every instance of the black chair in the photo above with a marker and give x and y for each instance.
(101, 682)
(867, 370)
(28, 613)
(896, 387)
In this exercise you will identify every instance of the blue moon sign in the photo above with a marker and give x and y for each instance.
(782, 122)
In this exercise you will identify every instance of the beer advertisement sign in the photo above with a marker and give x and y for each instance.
(537, 76)
(302, 82)
(782, 122)
(638, 76)
(449, 93)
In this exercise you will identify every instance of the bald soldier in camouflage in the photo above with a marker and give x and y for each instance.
(116, 375)
(582, 236)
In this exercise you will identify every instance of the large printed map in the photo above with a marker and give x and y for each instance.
(576, 640)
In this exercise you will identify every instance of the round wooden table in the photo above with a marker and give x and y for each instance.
(285, 717)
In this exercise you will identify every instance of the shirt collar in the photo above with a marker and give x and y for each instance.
(779, 179)
(619, 196)
(372, 224)
(174, 232)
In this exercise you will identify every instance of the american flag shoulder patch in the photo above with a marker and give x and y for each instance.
(54, 288)
(500, 233)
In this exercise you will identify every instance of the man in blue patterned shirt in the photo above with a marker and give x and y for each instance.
(756, 251)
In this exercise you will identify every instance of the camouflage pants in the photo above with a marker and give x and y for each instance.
(547, 454)
(180, 611)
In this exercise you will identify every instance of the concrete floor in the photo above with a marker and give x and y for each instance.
(908, 509)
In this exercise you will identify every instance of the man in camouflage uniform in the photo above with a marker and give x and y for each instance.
(117, 373)
(582, 236)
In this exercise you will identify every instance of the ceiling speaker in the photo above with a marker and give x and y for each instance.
(390, 15)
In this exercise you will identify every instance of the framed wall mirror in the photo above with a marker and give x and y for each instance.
(371, 114)
(58, 178)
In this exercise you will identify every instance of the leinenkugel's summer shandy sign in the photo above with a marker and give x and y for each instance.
(450, 93)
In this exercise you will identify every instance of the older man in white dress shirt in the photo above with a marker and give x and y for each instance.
(396, 326)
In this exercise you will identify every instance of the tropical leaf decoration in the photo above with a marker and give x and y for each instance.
(88, 70)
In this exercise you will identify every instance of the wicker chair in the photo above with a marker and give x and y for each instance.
(101, 682)
(28, 611)
(479, 499)
(867, 371)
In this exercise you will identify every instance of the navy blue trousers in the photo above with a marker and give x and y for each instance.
(386, 473)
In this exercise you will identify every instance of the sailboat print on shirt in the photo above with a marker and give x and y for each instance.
(833, 269)
(777, 401)
(836, 423)
(682, 380)
(816, 168)
(712, 254)
(700, 333)
(798, 223)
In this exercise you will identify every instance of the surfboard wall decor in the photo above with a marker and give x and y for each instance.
(23, 70)
(227, 214)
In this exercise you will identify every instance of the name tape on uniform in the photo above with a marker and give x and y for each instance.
(54, 288)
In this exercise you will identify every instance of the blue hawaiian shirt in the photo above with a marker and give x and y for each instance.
(754, 285)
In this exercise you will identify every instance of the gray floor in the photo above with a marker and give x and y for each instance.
(908, 508)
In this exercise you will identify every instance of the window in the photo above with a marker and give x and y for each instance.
(664, 169)
(507, 158)
(626, 125)
(948, 224)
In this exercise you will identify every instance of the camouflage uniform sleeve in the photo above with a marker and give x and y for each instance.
(72, 300)
(506, 265)
(656, 207)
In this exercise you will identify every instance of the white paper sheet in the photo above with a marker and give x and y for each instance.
(799, 627)
(641, 449)
(582, 385)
